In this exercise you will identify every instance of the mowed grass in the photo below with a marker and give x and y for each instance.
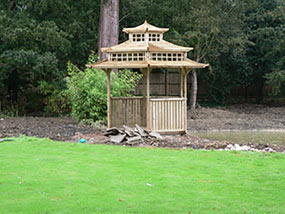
(40, 176)
(264, 137)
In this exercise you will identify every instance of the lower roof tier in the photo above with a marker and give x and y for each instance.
(187, 63)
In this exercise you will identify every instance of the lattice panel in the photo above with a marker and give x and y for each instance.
(154, 37)
(117, 57)
(138, 37)
(167, 56)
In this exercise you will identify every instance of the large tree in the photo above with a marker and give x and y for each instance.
(37, 38)
(266, 31)
(108, 26)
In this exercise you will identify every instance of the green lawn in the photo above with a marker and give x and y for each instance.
(40, 176)
(264, 137)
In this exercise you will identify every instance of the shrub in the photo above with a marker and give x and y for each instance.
(55, 97)
(277, 81)
(87, 90)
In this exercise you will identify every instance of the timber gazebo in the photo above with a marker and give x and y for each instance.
(145, 50)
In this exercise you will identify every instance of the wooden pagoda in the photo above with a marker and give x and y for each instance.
(146, 49)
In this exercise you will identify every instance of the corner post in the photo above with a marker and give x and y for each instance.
(148, 108)
(186, 72)
(108, 72)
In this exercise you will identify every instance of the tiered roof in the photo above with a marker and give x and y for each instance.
(145, 27)
(117, 56)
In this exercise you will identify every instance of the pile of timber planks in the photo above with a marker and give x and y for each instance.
(132, 136)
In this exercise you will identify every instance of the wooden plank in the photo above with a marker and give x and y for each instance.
(153, 114)
(166, 82)
(113, 109)
(176, 114)
(159, 116)
(180, 115)
(164, 115)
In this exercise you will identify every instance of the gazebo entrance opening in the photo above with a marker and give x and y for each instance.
(146, 50)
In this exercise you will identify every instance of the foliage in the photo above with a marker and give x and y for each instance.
(265, 29)
(243, 41)
(55, 97)
(36, 40)
(87, 90)
(43, 176)
(277, 81)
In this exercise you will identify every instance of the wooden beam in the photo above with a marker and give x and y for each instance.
(108, 72)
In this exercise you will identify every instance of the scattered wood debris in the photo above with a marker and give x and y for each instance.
(132, 136)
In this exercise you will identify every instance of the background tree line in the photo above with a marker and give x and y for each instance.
(243, 40)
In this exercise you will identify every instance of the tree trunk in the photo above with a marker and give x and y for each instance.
(108, 26)
(12, 5)
(194, 88)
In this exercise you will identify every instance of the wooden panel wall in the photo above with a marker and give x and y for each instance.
(128, 111)
(168, 114)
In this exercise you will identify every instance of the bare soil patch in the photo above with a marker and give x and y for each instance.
(55, 128)
(235, 117)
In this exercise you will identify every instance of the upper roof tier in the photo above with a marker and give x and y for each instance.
(146, 48)
(162, 46)
(145, 27)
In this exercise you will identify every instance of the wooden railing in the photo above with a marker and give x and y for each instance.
(168, 114)
(128, 111)
(165, 114)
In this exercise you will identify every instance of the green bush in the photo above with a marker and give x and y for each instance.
(87, 90)
(55, 97)
(277, 81)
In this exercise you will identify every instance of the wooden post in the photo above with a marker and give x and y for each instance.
(185, 96)
(144, 103)
(185, 83)
(108, 72)
(148, 110)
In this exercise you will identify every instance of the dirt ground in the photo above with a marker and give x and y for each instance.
(235, 117)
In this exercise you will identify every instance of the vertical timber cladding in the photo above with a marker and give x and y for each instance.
(168, 114)
(128, 111)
